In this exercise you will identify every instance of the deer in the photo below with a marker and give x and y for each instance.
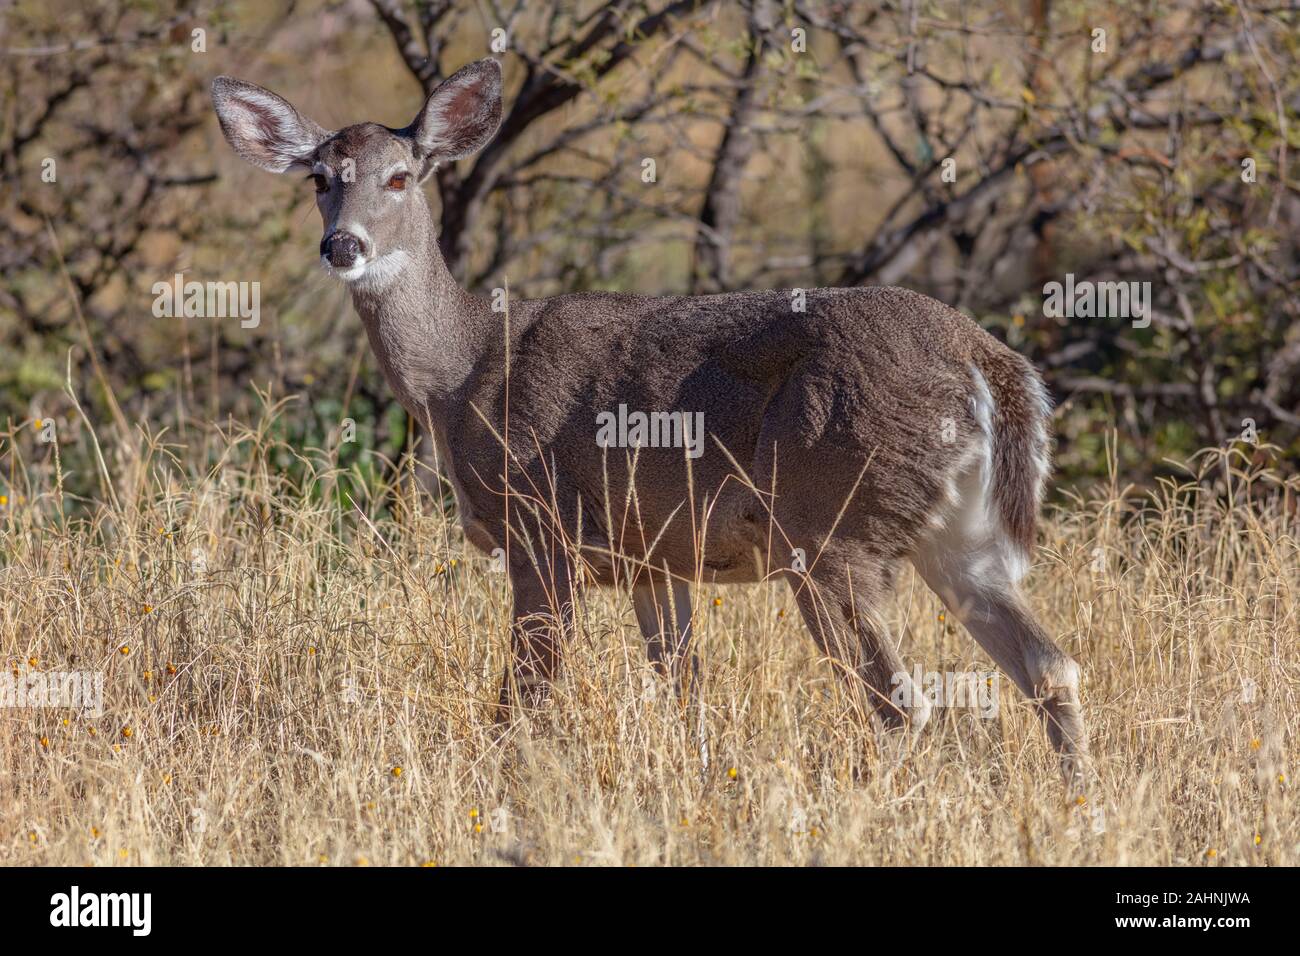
(862, 428)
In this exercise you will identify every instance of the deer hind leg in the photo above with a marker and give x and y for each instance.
(839, 602)
(663, 611)
(975, 568)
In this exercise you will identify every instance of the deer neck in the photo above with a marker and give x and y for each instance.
(427, 332)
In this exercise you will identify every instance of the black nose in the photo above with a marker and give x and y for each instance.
(341, 249)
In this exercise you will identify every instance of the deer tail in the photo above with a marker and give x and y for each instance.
(1018, 418)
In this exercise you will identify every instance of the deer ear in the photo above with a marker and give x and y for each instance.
(262, 127)
(461, 116)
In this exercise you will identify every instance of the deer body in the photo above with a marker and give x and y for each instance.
(846, 430)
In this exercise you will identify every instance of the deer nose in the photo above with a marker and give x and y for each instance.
(341, 249)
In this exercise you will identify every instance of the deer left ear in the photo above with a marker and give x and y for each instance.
(460, 117)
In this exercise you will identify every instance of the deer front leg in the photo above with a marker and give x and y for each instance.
(543, 616)
(663, 612)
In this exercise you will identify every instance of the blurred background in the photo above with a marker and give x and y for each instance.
(795, 143)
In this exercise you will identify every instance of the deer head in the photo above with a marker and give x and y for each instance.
(366, 175)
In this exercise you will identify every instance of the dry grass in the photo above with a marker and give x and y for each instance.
(271, 696)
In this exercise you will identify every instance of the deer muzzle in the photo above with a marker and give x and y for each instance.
(341, 249)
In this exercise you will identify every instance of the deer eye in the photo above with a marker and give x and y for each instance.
(397, 182)
(321, 182)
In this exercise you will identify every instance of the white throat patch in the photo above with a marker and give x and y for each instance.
(384, 269)
(373, 274)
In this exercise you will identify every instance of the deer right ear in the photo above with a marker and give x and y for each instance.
(461, 116)
(262, 127)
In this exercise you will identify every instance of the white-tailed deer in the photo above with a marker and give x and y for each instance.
(856, 428)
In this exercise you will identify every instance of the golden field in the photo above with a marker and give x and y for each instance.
(289, 682)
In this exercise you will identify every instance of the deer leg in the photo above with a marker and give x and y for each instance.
(984, 595)
(663, 611)
(840, 609)
(543, 616)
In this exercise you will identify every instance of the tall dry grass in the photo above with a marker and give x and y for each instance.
(286, 682)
